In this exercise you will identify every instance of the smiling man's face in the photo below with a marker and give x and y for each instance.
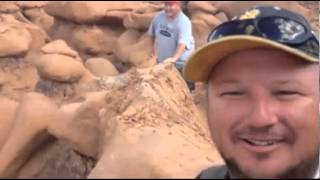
(172, 8)
(263, 114)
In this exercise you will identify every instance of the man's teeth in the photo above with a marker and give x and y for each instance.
(261, 142)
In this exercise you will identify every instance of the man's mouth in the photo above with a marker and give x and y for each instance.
(261, 142)
(261, 145)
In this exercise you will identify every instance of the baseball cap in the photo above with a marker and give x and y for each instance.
(260, 27)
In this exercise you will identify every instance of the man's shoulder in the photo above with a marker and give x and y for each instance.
(183, 18)
(160, 15)
(214, 172)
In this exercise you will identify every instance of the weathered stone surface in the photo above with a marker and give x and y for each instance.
(89, 12)
(29, 130)
(15, 39)
(59, 68)
(101, 67)
(7, 113)
(55, 159)
(158, 121)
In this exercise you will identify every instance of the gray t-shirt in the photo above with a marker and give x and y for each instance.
(168, 34)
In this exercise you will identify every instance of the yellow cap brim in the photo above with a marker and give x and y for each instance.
(201, 62)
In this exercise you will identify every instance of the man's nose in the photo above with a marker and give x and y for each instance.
(262, 114)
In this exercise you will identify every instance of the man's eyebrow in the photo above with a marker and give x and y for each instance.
(227, 81)
(286, 82)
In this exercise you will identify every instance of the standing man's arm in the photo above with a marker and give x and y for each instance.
(185, 34)
(179, 51)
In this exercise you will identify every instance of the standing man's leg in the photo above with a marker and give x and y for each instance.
(190, 84)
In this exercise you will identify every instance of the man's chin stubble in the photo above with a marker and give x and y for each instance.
(305, 169)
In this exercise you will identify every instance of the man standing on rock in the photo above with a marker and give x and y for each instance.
(262, 72)
(171, 31)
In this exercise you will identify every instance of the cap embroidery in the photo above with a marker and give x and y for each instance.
(250, 14)
(289, 29)
(250, 29)
(277, 8)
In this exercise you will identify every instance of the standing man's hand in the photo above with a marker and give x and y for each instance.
(171, 60)
(179, 51)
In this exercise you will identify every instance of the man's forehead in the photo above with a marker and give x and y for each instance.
(266, 60)
(262, 56)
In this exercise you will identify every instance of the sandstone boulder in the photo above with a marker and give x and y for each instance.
(149, 8)
(222, 17)
(39, 17)
(15, 39)
(7, 113)
(8, 7)
(59, 68)
(140, 54)
(234, 8)
(208, 19)
(88, 12)
(141, 18)
(59, 47)
(55, 159)
(78, 126)
(200, 31)
(204, 17)
(93, 40)
(29, 130)
(31, 4)
(17, 76)
(158, 128)
(101, 67)
(124, 44)
(138, 21)
(202, 6)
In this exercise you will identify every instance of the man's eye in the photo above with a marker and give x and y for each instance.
(232, 93)
(286, 93)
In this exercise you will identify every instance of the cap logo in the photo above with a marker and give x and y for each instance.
(289, 29)
(250, 14)
(250, 29)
